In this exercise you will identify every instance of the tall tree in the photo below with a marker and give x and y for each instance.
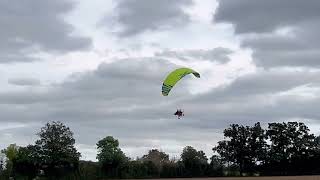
(235, 149)
(2, 161)
(169, 170)
(157, 157)
(257, 147)
(26, 163)
(194, 162)
(110, 155)
(216, 166)
(56, 151)
(291, 145)
(245, 146)
(11, 153)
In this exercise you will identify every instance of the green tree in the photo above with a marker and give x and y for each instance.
(216, 166)
(244, 147)
(11, 153)
(314, 158)
(291, 146)
(56, 151)
(157, 157)
(3, 169)
(194, 162)
(235, 150)
(89, 170)
(26, 162)
(2, 163)
(169, 170)
(152, 169)
(110, 156)
(257, 147)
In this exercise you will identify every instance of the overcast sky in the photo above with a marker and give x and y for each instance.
(98, 67)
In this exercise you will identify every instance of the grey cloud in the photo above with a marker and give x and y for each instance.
(299, 47)
(10, 57)
(262, 82)
(219, 54)
(123, 99)
(256, 97)
(24, 81)
(299, 50)
(264, 16)
(114, 91)
(137, 16)
(27, 27)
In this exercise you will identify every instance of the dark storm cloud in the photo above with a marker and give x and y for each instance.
(295, 48)
(28, 26)
(138, 16)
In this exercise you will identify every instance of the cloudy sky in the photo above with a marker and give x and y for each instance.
(98, 67)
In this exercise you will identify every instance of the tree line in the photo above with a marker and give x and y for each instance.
(286, 148)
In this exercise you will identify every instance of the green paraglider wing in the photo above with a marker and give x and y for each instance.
(174, 77)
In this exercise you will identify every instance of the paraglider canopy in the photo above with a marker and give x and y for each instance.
(174, 77)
